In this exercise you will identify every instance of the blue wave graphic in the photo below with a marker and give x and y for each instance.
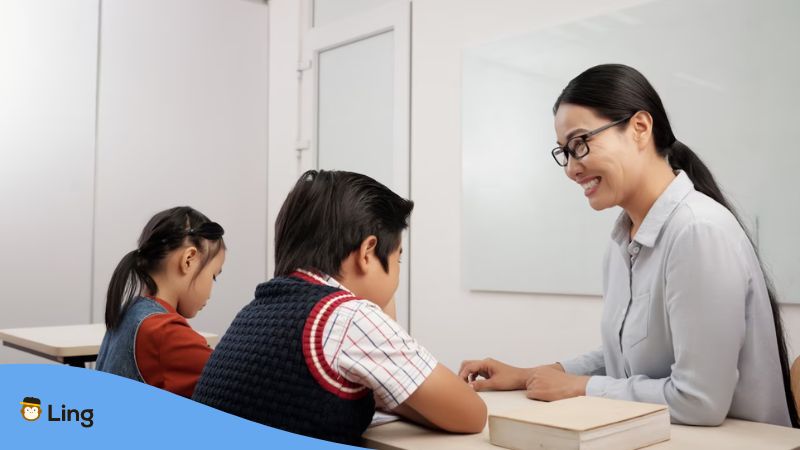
(125, 414)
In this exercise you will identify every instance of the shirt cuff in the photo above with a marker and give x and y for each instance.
(399, 394)
(598, 386)
(573, 366)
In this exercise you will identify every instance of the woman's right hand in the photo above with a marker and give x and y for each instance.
(497, 376)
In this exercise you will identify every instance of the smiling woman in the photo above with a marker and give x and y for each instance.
(690, 320)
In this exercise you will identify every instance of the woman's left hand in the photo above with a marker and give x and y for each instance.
(548, 384)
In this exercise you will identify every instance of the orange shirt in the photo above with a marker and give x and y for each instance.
(169, 353)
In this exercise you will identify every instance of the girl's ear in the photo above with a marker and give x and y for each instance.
(366, 253)
(189, 260)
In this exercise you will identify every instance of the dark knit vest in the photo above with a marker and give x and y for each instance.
(269, 366)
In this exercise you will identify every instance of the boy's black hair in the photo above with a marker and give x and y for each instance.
(327, 216)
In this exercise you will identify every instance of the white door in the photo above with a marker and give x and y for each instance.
(355, 96)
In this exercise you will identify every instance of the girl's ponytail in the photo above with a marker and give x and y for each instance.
(127, 281)
(165, 232)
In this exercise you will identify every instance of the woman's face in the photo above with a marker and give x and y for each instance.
(608, 174)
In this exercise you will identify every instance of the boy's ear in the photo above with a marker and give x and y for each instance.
(188, 260)
(366, 253)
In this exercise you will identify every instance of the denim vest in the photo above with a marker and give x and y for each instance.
(117, 353)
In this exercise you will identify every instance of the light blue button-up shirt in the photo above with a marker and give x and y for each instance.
(686, 318)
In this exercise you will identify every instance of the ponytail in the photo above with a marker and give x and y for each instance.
(127, 281)
(165, 232)
(615, 91)
(682, 158)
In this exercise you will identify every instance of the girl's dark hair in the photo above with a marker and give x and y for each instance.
(327, 216)
(166, 231)
(615, 91)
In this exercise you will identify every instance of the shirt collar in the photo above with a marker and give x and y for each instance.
(323, 278)
(655, 219)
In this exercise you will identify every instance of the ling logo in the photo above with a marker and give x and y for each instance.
(31, 408)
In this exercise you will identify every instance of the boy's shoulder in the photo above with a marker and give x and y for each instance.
(360, 318)
(352, 305)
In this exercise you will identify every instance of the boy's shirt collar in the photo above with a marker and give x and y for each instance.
(322, 278)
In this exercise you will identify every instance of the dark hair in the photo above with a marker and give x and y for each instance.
(327, 216)
(164, 232)
(615, 91)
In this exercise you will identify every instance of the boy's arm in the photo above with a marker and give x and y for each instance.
(376, 352)
(408, 413)
(446, 402)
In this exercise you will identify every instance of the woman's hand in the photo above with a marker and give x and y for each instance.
(550, 383)
(497, 375)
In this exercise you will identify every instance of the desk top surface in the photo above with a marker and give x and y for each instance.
(733, 434)
(67, 340)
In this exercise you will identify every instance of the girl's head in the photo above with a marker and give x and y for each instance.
(180, 247)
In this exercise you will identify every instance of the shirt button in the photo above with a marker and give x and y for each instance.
(635, 250)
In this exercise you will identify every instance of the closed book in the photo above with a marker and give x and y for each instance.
(585, 423)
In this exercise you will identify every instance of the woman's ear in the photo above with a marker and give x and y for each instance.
(189, 260)
(366, 253)
(642, 126)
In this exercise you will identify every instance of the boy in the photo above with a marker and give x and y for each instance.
(314, 353)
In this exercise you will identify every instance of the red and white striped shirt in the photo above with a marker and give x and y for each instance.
(366, 347)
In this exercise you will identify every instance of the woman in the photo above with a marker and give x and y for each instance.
(689, 320)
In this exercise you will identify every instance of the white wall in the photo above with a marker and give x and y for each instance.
(284, 165)
(48, 67)
(183, 120)
(452, 322)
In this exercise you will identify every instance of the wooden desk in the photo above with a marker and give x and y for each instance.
(733, 434)
(74, 345)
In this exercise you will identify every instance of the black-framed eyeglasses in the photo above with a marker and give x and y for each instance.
(578, 147)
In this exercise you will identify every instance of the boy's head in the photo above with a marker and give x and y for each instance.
(343, 224)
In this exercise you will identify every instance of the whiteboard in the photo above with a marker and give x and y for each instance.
(727, 72)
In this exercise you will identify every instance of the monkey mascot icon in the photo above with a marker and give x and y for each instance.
(31, 408)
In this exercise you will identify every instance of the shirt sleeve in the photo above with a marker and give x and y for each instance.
(591, 363)
(378, 353)
(170, 354)
(706, 290)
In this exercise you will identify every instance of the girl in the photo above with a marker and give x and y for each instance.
(152, 292)
(689, 318)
